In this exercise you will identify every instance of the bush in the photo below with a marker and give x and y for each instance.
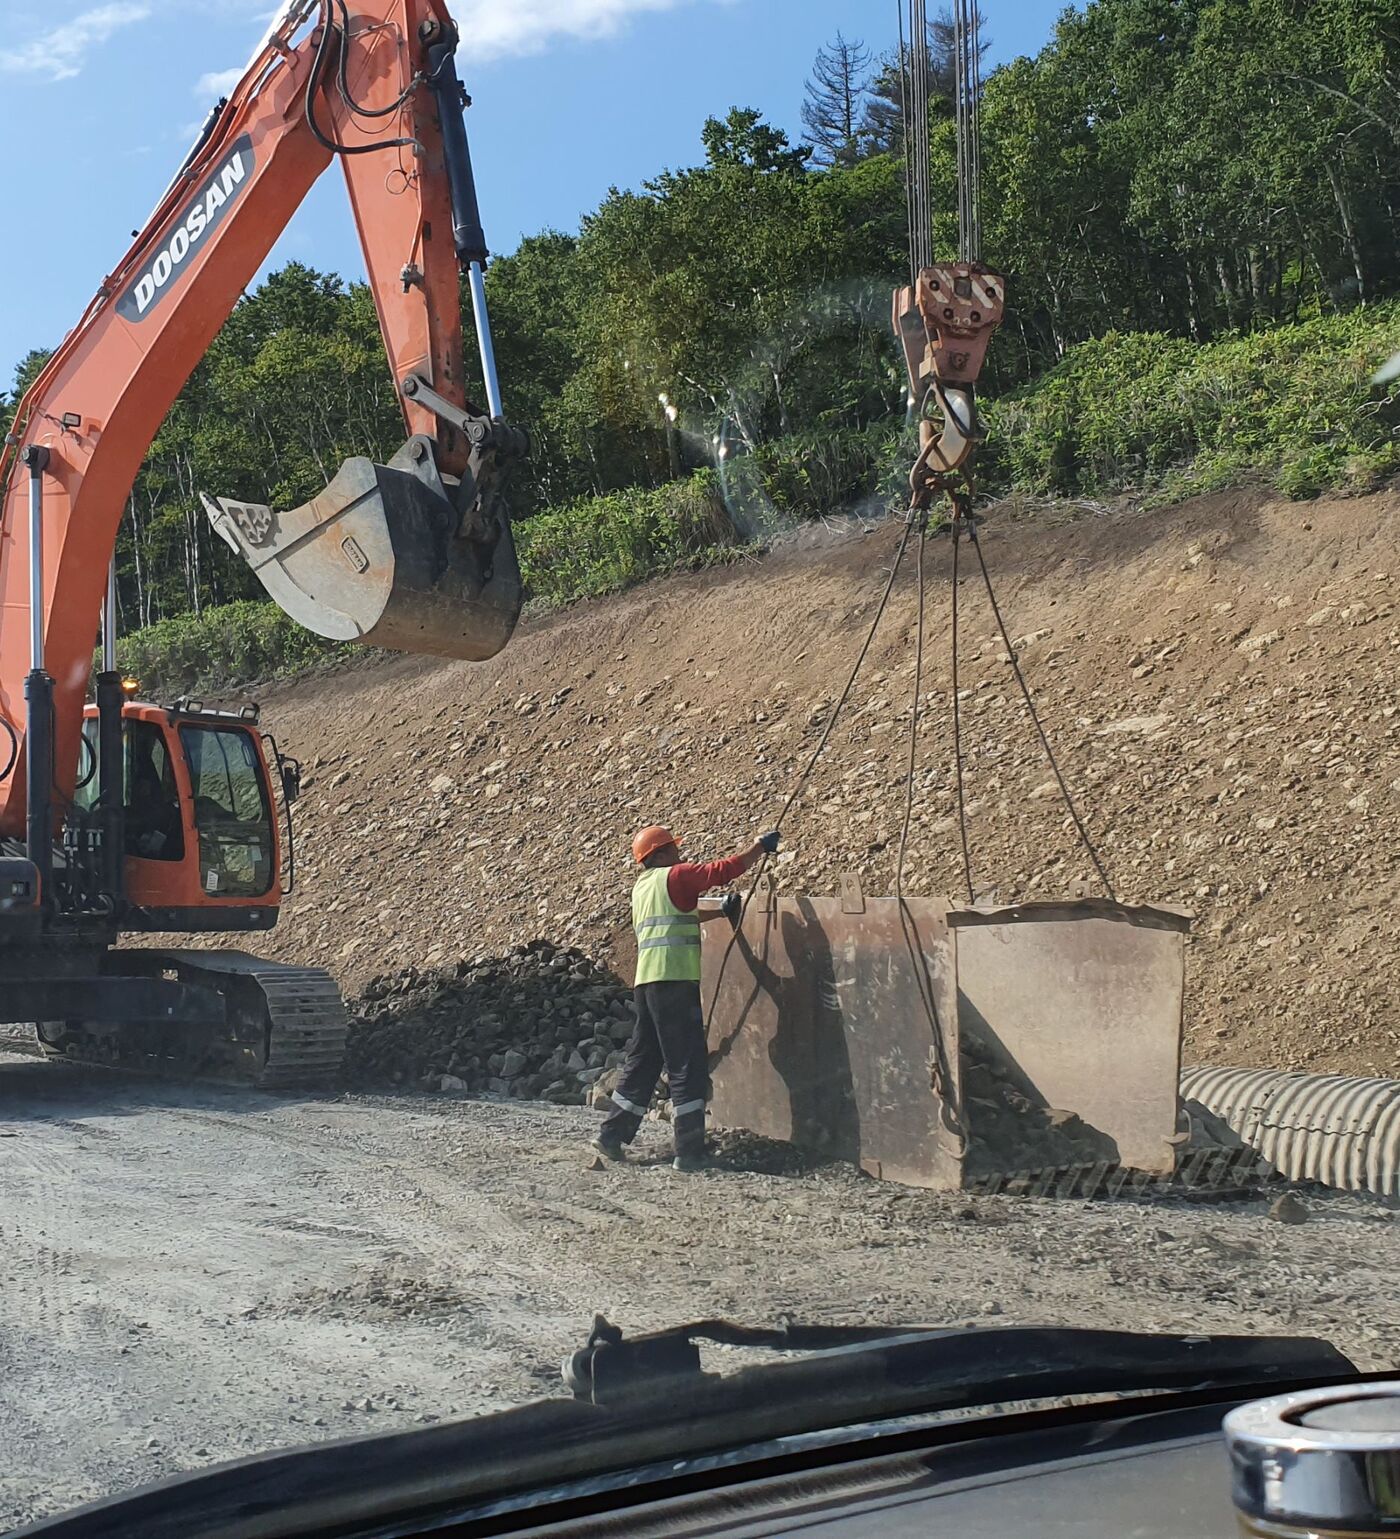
(224, 647)
(1127, 412)
(813, 474)
(601, 544)
(1294, 407)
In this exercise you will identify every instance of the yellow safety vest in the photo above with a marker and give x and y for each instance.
(668, 940)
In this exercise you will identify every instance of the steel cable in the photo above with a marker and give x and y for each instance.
(913, 723)
(959, 98)
(975, 135)
(967, 110)
(1083, 832)
(810, 766)
(914, 108)
(957, 719)
(939, 1069)
(905, 114)
(925, 185)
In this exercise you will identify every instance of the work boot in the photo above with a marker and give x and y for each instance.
(610, 1149)
(690, 1162)
(688, 1135)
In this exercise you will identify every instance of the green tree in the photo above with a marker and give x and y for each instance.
(882, 126)
(535, 297)
(26, 372)
(744, 139)
(295, 382)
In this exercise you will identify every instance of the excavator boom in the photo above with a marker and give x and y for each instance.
(415, 555)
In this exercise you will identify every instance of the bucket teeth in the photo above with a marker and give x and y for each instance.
(384, 557)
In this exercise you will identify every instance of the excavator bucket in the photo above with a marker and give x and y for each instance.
(385, 556)
(1028, 1048)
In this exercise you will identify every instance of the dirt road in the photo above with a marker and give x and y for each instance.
(194, 1274)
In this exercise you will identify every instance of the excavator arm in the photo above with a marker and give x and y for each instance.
(416, 554)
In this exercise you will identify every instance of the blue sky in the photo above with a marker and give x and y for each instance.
(98, 103)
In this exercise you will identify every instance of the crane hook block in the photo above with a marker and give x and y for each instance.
(392, 556)
(944, 323)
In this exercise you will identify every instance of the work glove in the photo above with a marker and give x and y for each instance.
(770, 842)
(732, 908)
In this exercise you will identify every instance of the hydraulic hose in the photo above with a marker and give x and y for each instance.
(313, 85)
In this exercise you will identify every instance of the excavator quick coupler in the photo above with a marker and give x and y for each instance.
(944, 323)
(395, 555)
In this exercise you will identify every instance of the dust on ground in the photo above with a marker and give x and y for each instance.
(194, 1274)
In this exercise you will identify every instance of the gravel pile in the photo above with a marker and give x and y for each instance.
(739, 1149)
(1008, 1131)
(542, 1022)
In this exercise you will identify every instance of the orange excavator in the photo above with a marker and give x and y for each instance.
(118, 816)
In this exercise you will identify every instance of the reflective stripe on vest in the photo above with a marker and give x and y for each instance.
(668, 940)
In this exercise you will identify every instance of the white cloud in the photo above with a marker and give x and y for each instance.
(491, 28)
(218, 82)
(60, 54)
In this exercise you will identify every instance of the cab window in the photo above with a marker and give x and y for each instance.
(232, 814)
(154, 828)
(85, 793)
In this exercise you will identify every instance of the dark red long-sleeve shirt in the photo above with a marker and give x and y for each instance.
(687, 882)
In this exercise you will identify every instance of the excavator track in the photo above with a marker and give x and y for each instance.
(307, 1026)
(285, 1026)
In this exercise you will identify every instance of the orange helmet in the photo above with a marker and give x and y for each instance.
(650, 840)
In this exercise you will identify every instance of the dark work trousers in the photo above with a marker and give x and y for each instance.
(671, 1034)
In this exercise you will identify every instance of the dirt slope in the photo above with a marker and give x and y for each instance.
(1220, 679)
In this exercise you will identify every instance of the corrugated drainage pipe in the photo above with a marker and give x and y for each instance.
(1331, 1128)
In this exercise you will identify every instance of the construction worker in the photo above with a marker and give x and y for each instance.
(670, 1029)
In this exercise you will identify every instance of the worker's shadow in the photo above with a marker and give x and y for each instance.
(807, 1046)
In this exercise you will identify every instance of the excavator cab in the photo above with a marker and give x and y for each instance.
(198, 847)
(201, 844)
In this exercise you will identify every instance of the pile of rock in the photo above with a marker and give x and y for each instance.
(1009, 1132)
(541, 1022)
